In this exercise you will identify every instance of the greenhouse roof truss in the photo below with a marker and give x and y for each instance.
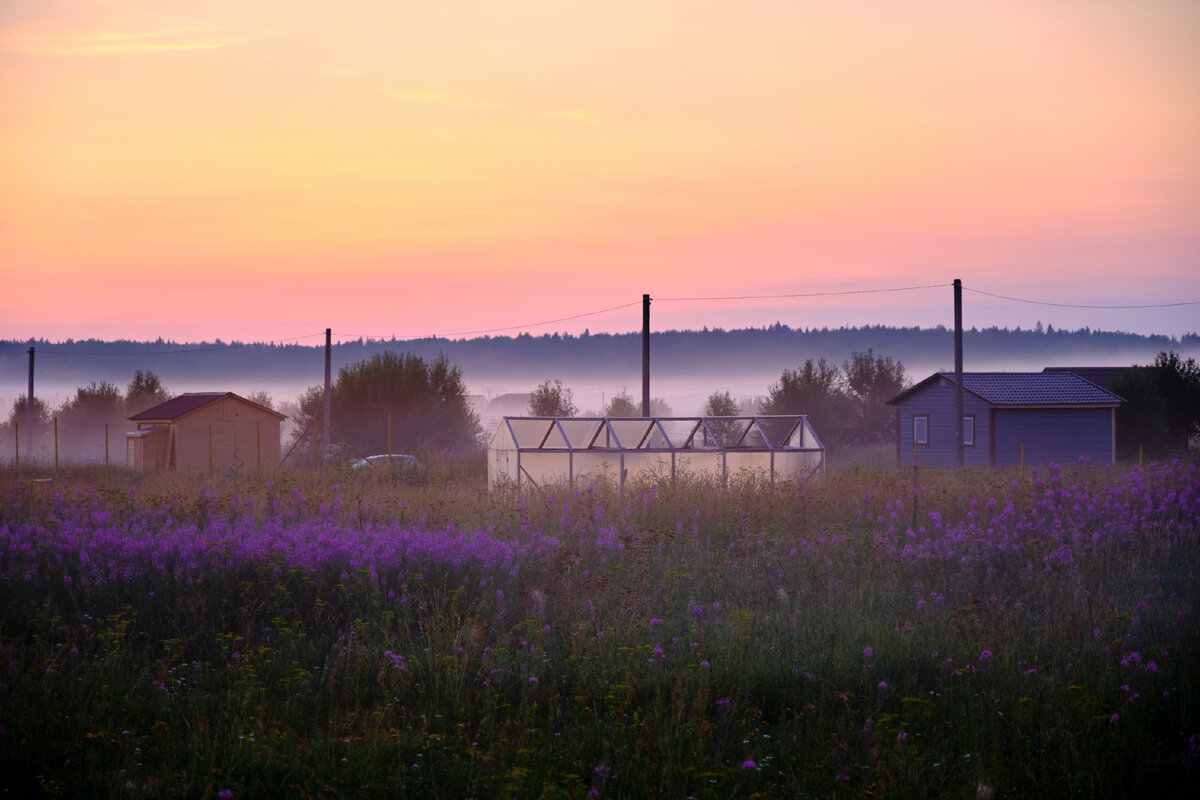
(538, 449)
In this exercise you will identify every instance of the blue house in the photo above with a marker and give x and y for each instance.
(1009, 418)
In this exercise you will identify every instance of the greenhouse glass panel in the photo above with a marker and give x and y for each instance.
(542, 450)
(630, 433)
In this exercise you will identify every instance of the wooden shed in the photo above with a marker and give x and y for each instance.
(204, 432)
(1009, 419)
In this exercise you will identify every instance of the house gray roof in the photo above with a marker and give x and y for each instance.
(186, 403)
(1024, 389)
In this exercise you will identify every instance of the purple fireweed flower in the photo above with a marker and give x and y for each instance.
(655, 622)
(1193, 749)
(985, 655)
(748, 765)
(868, 651)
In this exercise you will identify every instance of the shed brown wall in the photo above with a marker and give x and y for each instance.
(241, 435)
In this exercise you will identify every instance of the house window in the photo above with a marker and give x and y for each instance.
(969, 431)
(921, 429)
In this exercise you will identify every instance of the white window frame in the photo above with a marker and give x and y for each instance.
(918, 438)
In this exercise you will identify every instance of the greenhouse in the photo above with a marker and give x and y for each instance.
(543, 450)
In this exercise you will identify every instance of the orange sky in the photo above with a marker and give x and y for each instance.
(260, 170)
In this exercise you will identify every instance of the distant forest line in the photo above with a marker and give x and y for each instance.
(525, 357)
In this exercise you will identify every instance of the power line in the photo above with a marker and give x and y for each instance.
(1080, 305)
(526, 325)
(511, 327)
(801, 294)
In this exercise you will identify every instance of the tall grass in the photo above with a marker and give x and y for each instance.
(881, 633)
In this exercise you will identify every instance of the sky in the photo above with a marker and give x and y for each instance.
(261, 171)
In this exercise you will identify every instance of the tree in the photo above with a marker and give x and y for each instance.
(1161, 411)
(427, 403)
(262, 398)
(146, 390)
(816, 391)
(100, 402)
(870, 382)
(622, 405)
(41, 413)
(83, 417)
(721, 404)
(659, 408)
(552, 400)
(31, 441)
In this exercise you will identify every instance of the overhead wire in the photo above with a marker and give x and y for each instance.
(1080, 305)
(509, 327)
(801, 294)
(598, 312)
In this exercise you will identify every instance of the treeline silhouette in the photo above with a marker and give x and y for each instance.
(769, 349)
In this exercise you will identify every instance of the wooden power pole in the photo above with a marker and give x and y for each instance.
(29, 415)
(959, 459)
(328, 412)
(645, 355)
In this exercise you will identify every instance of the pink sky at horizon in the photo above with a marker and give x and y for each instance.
(206, 169)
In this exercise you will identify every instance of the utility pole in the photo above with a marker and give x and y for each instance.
(29, 416)
(645, 355)
(328, 392)
(959, 459)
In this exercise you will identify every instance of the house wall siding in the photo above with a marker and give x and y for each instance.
(937, 402)
(1061, 435)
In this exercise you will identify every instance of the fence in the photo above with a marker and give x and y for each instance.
(108, 445)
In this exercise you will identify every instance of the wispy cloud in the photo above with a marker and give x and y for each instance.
(122, 43)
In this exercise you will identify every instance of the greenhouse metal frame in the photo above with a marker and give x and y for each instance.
(543, 450)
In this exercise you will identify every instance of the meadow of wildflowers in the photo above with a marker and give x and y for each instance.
(882, 634)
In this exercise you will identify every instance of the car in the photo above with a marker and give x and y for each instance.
(395, 460)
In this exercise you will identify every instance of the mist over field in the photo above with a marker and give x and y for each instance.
(686, 366)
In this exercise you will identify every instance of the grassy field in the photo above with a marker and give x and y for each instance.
(882, 633)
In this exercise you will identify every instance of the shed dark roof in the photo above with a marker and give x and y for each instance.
(188, 402)
(1024, 389)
